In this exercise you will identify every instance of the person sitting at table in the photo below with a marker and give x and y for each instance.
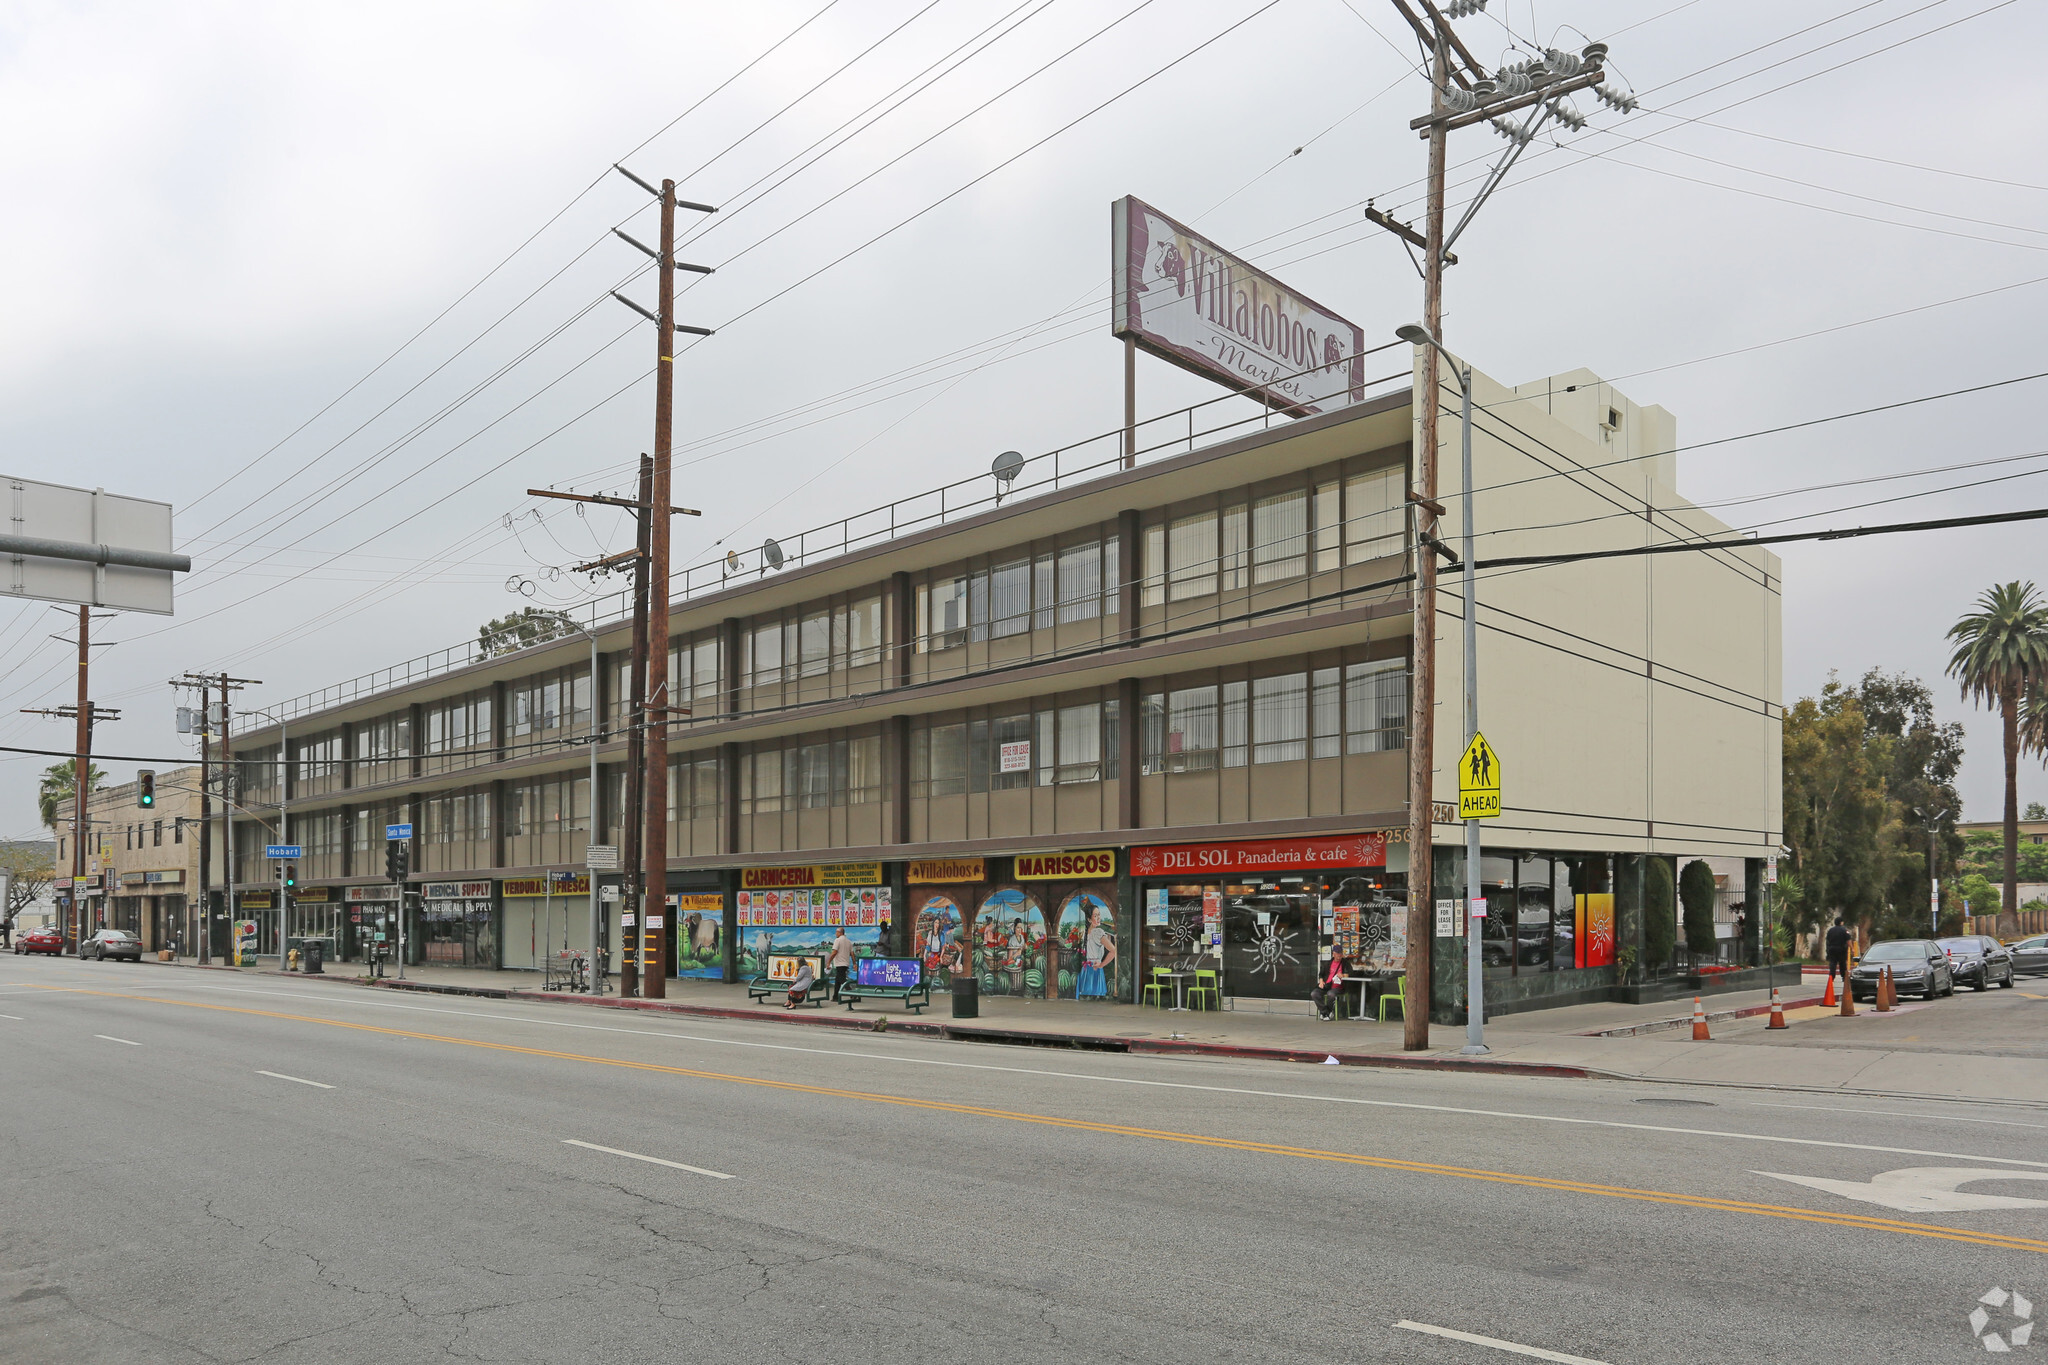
(800, 987)
(1329, 984)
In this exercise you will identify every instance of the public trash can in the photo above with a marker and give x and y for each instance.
(309, 960)
(966, 998)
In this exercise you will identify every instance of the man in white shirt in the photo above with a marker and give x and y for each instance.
(842, 960)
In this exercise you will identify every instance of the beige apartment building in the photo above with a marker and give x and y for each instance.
(142, 866)
(1100, 721)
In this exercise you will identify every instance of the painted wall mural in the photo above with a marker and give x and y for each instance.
(1039, 941)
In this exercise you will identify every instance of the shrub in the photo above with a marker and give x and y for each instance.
(1696, 891)
(1660, 929)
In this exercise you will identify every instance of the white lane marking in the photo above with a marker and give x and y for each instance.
(1900, 1114)
(504, 1017)
(15, 1017)
(1923, 1189)
(112, 1039)
(1512, 1347)
(300, 1079)
(655, 1160)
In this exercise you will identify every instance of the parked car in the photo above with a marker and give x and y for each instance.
(1918, 965)
(2030, 955)
(43, 940)
(108, 943)
(1978, 960)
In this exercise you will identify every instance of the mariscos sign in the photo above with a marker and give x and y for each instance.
(1187, 300)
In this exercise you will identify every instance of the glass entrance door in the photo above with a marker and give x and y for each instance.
(1269, 941)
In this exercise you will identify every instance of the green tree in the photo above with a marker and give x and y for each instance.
(2001, 657)
(1980, 897)
(1840, 823)
(31, 873)
(1660, 927)
(1925, 759)
(523, 628)
(1696, 892)
(2035, 811)
(60, 784)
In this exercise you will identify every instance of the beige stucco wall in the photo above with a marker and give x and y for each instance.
(1635, 702)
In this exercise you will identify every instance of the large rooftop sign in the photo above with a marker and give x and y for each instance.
(85, 545)
(1187, 300)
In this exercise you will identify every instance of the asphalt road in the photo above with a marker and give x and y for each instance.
(209, 1167)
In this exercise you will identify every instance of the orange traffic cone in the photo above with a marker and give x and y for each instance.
(1884, 990)
(1848, 1000)
(1829, 997)
(1778, 1010)
(1699, 1022)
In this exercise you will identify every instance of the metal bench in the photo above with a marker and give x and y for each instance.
(914, 998)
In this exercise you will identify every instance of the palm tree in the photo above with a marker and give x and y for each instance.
(2001, 653)
(59, 785)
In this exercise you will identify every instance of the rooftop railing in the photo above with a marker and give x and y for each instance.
(1181, 431)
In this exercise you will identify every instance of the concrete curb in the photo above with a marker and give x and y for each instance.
(1713, 1017)
(976, 1033)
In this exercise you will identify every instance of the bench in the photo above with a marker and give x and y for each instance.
(761, 987)
(914, 998)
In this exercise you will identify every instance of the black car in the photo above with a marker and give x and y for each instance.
(1978, 960)
(1918, 966)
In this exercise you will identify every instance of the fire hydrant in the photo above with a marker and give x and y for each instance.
(292, 959)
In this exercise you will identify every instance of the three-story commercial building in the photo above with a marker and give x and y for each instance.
(1065, 730)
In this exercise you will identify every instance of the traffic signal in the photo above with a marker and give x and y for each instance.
(396, 858)
(145, 788)
(291, 876)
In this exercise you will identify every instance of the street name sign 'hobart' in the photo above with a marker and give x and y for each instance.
(284, 851)
(1479, 781)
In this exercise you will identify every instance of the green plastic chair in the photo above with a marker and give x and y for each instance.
(1205, 981)
(1158, 989)
(1396, 997)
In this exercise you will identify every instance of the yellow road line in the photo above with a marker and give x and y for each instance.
(2001, 1241)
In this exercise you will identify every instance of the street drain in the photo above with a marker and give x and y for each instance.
(1659, 1099)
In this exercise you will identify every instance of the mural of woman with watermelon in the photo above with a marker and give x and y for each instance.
(1088, 936)
(1009, 952)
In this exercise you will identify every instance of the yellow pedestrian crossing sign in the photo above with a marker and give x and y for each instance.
(1479, 781)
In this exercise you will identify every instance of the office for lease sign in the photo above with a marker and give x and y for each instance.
(1187, 300)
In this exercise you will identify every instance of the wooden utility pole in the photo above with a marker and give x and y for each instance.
(654, 799)
(1422, 684)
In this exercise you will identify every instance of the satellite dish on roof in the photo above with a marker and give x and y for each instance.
(1006, 468)
(771, 554)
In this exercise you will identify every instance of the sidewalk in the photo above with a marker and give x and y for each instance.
(1613, 1041)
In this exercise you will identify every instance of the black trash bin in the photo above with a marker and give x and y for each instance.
(309, 955)
(966, 997)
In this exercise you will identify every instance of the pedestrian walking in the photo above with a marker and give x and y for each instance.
(842, 961)
(1838, 952)
(1330, 984)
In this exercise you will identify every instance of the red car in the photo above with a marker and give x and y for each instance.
(44, 940)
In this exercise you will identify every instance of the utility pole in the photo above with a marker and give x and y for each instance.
(1461, 94)
(230, 789)
(654, 798)
(636, 742)
(85, 715)
(202, 685)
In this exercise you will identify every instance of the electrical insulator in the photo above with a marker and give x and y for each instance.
(1509, 129)
(1567, 115)
(1463, 9)
(1561, 64)
(1511, 81)
(1618, 100)
(1459, 100)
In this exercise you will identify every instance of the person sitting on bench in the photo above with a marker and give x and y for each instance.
(800, 987)
(1329, 984)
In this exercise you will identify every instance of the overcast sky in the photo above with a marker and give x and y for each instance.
(332, 281)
